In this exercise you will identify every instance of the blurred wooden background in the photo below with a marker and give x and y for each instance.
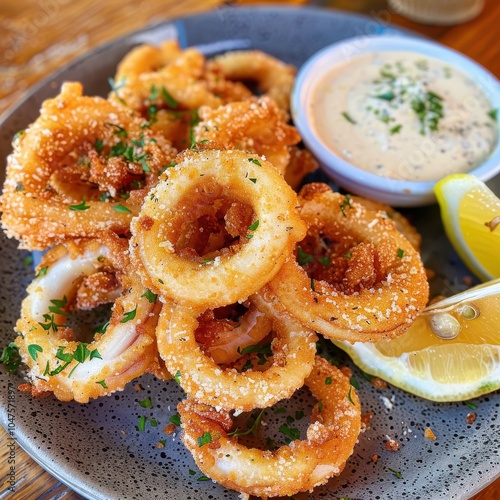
(38, 36)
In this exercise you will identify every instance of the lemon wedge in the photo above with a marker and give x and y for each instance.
(471, 217)
(450, 353)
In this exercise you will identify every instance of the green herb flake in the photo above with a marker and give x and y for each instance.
(102, 383)
(347, 116)
(141, 424)
(150, 296)
(177, 377)
(253, 179)
(254, 160)
(304, 258)
(80, 207)
(121, 208)
(11, 358)
(346, 203)
(320, 406)
(19, 187)
(386, 96)
(396, 473)
(291, 433)
(349, 397)
(146, 403)
(28, 260)
(203, 478)
(396, 129)
(204, 439)
(472, 406)
(42, 271)
(169, 100)
(328, 380)
(493, 114)
(253, 226)
(129, 316)
(175, 419)
(250, 430)
(354, 383)
(33, 350)
(99, 145)
(401, 252)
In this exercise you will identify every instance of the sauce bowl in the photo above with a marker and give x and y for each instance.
(402, 193)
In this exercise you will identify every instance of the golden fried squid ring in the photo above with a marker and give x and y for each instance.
(255, 125)
(211, 278)
(293, 468)
(58, 362)
(403, 225)
(357, 278)
(294, 348)
(74, 171)
(273, 77)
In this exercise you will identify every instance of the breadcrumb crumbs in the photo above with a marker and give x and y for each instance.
(471, 417)
(391, 445)
(429, 434)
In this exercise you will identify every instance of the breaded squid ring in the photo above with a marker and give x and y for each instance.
(224, 276)
(293, 348)
(58, 362)
(293, 468)
(273, 77)
(371, 287)
(255, 125)
(76, 170)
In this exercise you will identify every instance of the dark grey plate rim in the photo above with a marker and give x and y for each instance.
(140, 36)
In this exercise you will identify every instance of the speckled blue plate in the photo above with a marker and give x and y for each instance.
(97, 450)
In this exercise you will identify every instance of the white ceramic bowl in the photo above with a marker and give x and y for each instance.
(394, 192)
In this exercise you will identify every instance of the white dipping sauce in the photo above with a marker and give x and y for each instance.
(405, 116)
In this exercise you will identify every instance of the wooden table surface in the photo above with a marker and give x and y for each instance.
(38, 36)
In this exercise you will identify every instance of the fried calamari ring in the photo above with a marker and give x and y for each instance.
(57, 361)
(72, 170)
(403, 225)
(293, 348)
(273, 77)
(255, 125)
(357, 279)
(200, 183)
(299, 466)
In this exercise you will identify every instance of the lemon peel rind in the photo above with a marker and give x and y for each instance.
(396, 373)
(449, 193)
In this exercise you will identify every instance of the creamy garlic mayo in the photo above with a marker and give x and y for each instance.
(404, 116)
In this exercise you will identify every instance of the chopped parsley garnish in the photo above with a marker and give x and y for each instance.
(349, 397)
(169, 100)
(345, 204)
(177, 377)
(33, 350)
(304, 258)
(121, 208)
(250, 430)
(119, 131)
(175, 419)
(28, 260)
(103, 383)
(141, 424)
(11, 358)
(472, 406)
(254, 160)
(291, 433)
(386, 96)
(204, 439)
(42, 271)
(58, 305)
(396, 473)
(129, 316)
(263, 351)
(328, 381)
(396, 129)
(347, 116)
(493, 114)
(99, 145)
(150, 296)
(80, 207)
(401, 252)
(146, 403)
(253, 179)
(102, 328)
(354, 383)
(81, 354)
